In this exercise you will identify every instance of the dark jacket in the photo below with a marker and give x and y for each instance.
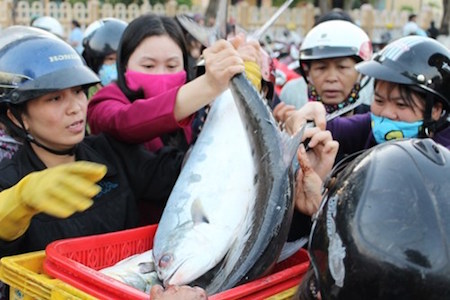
(134, 174)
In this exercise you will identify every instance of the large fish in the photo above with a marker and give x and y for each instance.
(229, 213)
(230, 210)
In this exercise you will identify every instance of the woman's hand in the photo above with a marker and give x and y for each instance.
(248, 50)
(315, 164)
(322, 152)
(308, 186)
(222, 62)
(282, 112)
(311, 111)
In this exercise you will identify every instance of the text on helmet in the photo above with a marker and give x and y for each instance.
(61, 57)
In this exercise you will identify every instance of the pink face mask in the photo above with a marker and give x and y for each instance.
(154, 84)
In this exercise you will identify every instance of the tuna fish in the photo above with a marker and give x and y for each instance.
(229, 213)
(231, 208)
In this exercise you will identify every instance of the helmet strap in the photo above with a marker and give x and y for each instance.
(70, 151)
(429, 125)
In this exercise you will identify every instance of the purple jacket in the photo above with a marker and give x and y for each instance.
(355, 133)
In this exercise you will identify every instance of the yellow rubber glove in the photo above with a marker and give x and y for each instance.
(60, 191)
(253, 73)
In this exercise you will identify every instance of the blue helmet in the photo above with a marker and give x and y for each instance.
(34, 62)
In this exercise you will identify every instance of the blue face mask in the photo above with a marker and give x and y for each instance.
(107, 73)
(385, 129)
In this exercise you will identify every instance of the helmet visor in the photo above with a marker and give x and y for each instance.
(385, 70)
(324, 52)
(57, 80)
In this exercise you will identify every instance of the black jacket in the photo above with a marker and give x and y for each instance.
(134, 174)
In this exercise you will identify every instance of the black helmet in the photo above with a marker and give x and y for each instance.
(102, 37)
(383, 231)
(34, 62)
(413, 60)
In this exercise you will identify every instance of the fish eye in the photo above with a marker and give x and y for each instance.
(165, 260)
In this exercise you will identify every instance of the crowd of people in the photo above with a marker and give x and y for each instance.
(94, 131)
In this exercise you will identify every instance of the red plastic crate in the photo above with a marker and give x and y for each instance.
(77, 261)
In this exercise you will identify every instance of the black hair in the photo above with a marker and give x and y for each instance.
(92, 61)
(335, 14)
(191, 42)
(76, 23)
(411, 17)
(139, 29)
(12, 128)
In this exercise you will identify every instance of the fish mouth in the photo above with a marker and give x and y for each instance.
(169, 278)
(172, 274)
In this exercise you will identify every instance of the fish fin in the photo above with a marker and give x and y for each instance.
(221, 19)
(146, 267)
(290, 248)
(290, 144)
(201, 33)
(208, 35)
(198, 213)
